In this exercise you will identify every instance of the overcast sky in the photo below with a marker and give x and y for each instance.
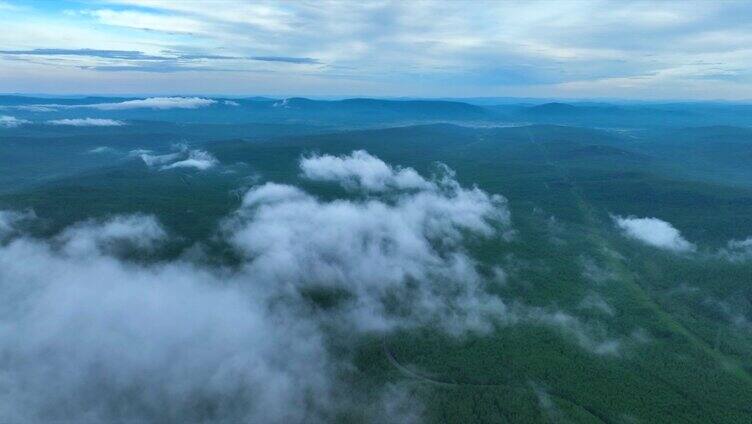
(586, 49)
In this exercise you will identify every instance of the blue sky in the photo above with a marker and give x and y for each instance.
(584, 49)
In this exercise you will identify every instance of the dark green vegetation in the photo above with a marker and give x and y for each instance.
(683, 321)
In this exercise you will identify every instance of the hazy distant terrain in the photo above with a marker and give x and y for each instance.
(196, 259)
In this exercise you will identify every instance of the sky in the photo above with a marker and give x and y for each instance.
(584, 49)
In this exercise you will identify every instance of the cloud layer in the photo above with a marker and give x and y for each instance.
(638, 49)
(90, 332)
(90, 335)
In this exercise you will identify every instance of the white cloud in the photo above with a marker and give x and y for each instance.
(198, 159)
(87, 122)
(152, 160)
(149, 21)
(94, 338)
(489, 48)
(155, 103)
(89, 335)
(132, 231)
(184, 158)
(372, 248)
(139, 152)
(11, 121)
(359, 170)
(654, 232)
(101, 338)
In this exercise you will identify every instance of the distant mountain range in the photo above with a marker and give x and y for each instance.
(368, 111)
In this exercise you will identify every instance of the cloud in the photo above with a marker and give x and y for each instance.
(361, 171)
(286, 59)
(654, 232)
(87, 122)
(370, 49)
(198, 159)
(373, 248)
(150, 21)
(158, 103)
(88, 238)
(152, 160)
(157, 67)
(184, 158)
(11, 121)
(155, 103)
(124, 60)
(94, 336)
(138, 61)
(90, 333)
(109, 54)
(130, 55)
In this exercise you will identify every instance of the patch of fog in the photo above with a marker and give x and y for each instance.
(11, 220)
(595, 302)
(547, 405)
(591, 337)
(556, 231)
(593, 271)
(101, 150)
(737, 250)
(35, 108)
(735, 312)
